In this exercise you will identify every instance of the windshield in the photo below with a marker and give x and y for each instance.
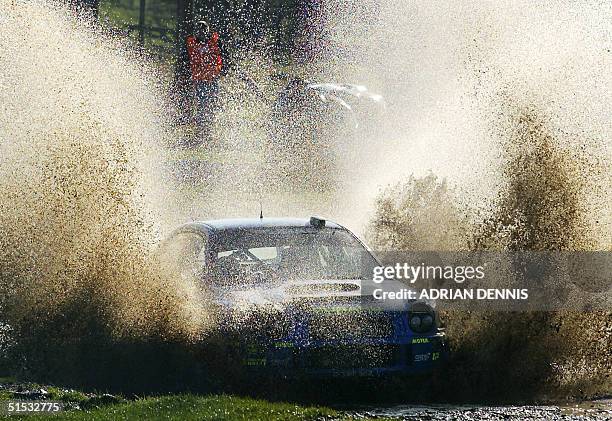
(292, 254)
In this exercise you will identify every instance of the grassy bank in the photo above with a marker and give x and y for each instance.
(179, 407)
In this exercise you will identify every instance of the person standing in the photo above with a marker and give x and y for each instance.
(206, 63)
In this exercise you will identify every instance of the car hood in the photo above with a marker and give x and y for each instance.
(320, 292)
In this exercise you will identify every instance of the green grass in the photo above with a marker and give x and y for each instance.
(166, 407)
(192, 407)
(56, 394)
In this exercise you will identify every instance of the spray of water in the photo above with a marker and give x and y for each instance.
(259, 151)
(79, 208)
(482, 95)
(448, 74)
(507, 104)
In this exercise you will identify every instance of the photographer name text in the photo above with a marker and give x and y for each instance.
(452, 294)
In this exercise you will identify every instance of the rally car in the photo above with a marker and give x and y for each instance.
(295, 298)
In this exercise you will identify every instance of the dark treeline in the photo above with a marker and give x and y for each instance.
(280, 26)
(283, 30)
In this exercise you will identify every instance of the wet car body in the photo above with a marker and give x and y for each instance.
(294, 298)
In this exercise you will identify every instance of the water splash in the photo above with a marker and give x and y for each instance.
(81, 206)
(506, 103)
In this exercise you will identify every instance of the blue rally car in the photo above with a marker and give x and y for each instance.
(295, 299)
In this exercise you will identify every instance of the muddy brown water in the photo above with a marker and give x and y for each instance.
(591, 410)
(80, 162)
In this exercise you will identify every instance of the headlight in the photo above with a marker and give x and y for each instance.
(421, 317)
(415, 323)
(426, 322)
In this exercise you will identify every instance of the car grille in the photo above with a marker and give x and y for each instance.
(335, 325)
(351, 356)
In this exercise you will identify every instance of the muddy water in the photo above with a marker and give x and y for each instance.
(492, 111)
(592, 410)
(504, 128)
(81, 131)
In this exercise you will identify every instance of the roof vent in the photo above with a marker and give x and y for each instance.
(317, 222)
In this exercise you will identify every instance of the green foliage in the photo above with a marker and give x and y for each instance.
(159, 14)
(57, 394)
(261, 23)
(192, 407)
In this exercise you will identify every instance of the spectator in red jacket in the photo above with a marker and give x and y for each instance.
(206, 64)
